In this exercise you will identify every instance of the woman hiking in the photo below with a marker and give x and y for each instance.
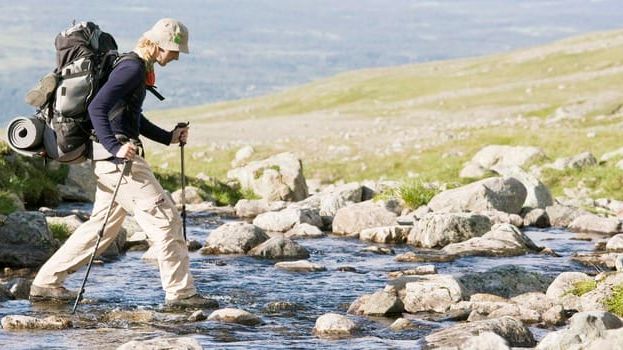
(116, 115)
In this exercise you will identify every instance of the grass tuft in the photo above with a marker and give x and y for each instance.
(582, 287)
(615, 302)
(60, 231)
(414, 193)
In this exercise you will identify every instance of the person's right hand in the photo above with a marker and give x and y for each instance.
(127, 151)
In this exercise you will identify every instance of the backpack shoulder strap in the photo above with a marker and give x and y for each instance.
(134, 56)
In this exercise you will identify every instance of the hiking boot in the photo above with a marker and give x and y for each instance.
(195, 301)
(39, 94)
(52, 294)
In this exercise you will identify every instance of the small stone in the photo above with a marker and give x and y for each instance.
(379, 250)
(231, 315)
(197, 316)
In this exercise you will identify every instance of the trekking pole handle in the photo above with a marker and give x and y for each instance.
(182, 125)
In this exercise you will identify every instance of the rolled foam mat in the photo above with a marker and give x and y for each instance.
(25, 135)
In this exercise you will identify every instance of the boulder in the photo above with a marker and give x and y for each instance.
(242, 156)
(192, 195)
(562, 215)
(304, 231)
(356, 217)
(334, 326)
(80, 184)
(618, 153)
(13, 322)
(300, 266)
(432, 293)
(486, 341)
(596, 299)
(231, 315)
(418, 270)
(502, 240)
(510, 329)
(331, 199)
(505, 280)
(279, 177)
(615, 244)
(185, 343)
(496, 193)
(611, 340)
(284, 220)
(595, 224)
(250, 208)
(234, 238)
(584, 328)
(578, 161)
(279, 248)
(402, 324)
(382, 303)
(440, 229)
(538, 195)
(536, 218)
(500, 155)
(25, 240)
(387, 234)
(500, 217)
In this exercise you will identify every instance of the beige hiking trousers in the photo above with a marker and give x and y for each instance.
(141, 194)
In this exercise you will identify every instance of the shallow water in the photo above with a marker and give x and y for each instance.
(130, 283)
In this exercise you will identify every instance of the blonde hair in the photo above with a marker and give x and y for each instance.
(146, 49)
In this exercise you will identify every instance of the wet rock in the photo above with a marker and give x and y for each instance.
(536, 218)
(284, 220)
(355, 218)
(601, 260)
(346, 269)
(279, 177)
(387, 234)
(615, 244)
(486, 341)
(25, 240)
(13, 322)
(550, 252)
(197, 316)
(231, 315)
(192, 195)
(382, 303)
(578, 161)
(19, 287)
(499, 217)
(419, 270)
(250, 208)
(503, 194)
(440, 229)
(280, 306)
(425, 256)
(510, 329)
(5, 294)
(185, 343)
(193, 245)
(234, 238)
(279, 248)
(505, 280)
(304, 231)
(378, 250)
(595, 224)
(500, 155)
(130, 316)
(334, 326)
(300, 266)
(432, 293)
(538, 195)
(562, 215)
(402, 324)
(502, 240)
(584, 328)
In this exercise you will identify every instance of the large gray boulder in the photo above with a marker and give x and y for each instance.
(279, 248)
(562, 215)
(496, 193)
(505, 280)
(439, 229)
(80, 184)
(331, 199)
(435, 293)
(502, 240)
(381, 303)
(512, 330)
(234, 238)
(286, 219)
(578, 161)
(565, 282)
(387, 234)
(500, 155)
(334, 326)
(25, 240)
(538, 195)
(250, 208)
(486, 341)
(355, 218)
(279, 177)
(596, 224)
(584, 329)
(186, 343)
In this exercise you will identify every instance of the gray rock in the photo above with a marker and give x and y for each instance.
(279, 248)
(379, 250)
(510, 329)
(334, 326)
(538, 195)
(615, 244)
(284, 220)
(19, 287)
(13, 322)
(618, 153)
(387, 234)
(595, 224)
(578, 161)
(402, 324)
(502, 240)
(486, 341)
(231, 315)
(382, 303)
(25, 240)
(596, 299)
(234, 238)
(300, 266)
(499, 217)
(419, 270)
(505, 280)
(432, 293)
(355, 218)
(440, 229)
(536, 218)
(192, 195)
(304, 231)
(505, 156)
(80, 184)
(185, 343)
(611, 340)
(242, 156)
(72, 222)
(554, 316)
(279, 177)
(250, 208)
(197, 316)
(496, 193)
(584, 328)
(562, 215)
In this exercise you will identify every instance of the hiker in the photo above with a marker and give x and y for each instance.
(116, 116)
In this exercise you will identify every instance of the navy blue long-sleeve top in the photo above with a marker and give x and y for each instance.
(123, 93)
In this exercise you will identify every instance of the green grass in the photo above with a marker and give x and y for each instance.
(60, 231)
(208, 189)
(615, 302)
(582, 287)
(7, 206)
(413, 192)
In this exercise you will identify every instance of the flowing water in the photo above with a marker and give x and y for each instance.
(130, 283)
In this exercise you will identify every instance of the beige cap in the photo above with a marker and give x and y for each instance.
(169, 34)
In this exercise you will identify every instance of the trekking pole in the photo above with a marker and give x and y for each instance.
(182, 144)
(127, 165)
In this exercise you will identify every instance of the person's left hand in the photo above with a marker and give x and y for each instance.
(179, 134)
